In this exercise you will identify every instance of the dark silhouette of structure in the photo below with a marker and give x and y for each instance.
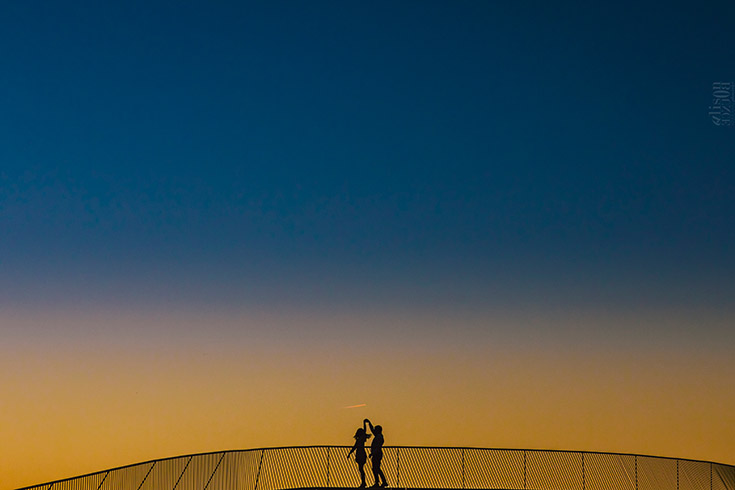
(410, 467)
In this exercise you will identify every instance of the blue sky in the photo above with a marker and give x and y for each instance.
(355, 147)
(223, 222)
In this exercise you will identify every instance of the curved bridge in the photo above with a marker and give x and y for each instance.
(408, 467)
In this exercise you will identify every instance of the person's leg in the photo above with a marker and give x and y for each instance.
(362, 474)
(376, 469)
(379, 475)
(385, 482)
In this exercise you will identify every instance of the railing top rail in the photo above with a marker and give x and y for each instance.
(346, 447)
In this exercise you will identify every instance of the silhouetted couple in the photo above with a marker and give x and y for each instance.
(376, 452)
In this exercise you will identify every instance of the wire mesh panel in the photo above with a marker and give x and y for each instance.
(609, 472)
(165, 474)
(551, 470)
(408, 467)
(198, 471)
(656, 473)
(83, 483)
(344, 472)
(236, 471)
(130, 478)
(493, 468)
(693, 475)
(286, 468)
(723, 477)
(430, 468)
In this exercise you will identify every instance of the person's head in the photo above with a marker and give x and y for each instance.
(378, 429)
(360, 433)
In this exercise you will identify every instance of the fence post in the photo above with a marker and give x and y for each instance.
(328, 448)
(103, 480)
(182, 473)
(144, 478)
(215, 470)
(260, 465)
(636, 472)
(462, 468)
(398, 467)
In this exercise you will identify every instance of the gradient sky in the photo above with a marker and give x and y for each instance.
(496, 225)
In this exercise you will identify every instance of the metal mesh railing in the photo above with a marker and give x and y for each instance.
(409, 467)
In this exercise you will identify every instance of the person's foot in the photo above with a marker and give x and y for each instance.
(362, 485)
(385, 484)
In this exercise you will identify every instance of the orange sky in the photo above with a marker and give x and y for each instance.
(494, 224)
(87, 391)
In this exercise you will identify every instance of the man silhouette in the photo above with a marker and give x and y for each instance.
(376, 453)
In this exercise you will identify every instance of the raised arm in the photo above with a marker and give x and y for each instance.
(366, 421)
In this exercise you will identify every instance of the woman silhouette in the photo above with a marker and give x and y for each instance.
(359, 449)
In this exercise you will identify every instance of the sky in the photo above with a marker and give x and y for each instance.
(494, 224)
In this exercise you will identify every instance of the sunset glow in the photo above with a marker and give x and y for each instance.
(234, 225)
